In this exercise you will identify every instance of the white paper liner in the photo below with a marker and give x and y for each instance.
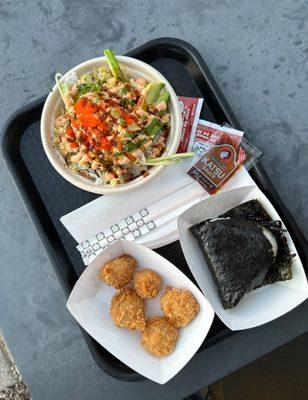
(89, 303)
(261, 305)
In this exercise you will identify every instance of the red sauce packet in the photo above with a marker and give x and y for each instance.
(223, 150)
(191, 109)
(208, 133)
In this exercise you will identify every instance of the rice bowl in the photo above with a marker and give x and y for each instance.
(134, 69)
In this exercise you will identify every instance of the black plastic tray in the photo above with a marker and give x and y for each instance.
(47, 196)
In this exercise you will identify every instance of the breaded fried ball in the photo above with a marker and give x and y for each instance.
(159, 337)
(127, 309)
(147, 283)
(119, 271)
(179, 306)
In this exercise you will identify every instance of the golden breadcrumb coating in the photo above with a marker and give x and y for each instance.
(159, 337)
(119, 272)
(127, 309)
(179, 306)
(147, 283)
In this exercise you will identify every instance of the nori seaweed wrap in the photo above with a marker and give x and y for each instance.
(239, 254)
(281, 269)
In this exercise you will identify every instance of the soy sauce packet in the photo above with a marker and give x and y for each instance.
(220, 152)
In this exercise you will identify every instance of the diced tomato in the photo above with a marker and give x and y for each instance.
(74, 145)
(70, 133)
(102, 125)
(128, 118)
(105, 144)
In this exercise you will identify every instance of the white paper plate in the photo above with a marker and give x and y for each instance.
(90, 300)
(261, 305)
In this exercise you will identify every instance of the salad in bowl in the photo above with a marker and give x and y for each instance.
(111, 124)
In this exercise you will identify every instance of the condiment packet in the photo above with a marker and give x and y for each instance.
(191, 109)
(208, 133)
(221, 151)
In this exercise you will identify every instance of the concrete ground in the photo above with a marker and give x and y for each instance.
(11, 384)
(280, 375)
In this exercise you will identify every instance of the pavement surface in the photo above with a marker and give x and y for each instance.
(257, 52)
(12, 386)
(280, 375)
(7, 377)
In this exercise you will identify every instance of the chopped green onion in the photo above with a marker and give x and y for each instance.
(85, 88)
(153, 128)
(58, 77)
(167, 160)
(131, 146)
(115, 113)
(171, 157)
(152, 91)
(86, 78)
(123, 91)
(124, 102)
(164, 96)
(115, 181)
(141, 103)
(133, 127)
(129, 135)
(114, 65)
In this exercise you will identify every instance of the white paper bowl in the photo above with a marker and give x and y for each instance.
(261, 305)
(53, 104)
(89, 303)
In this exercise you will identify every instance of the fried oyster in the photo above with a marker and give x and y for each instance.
(159, 337)
(127, 309)
(119, 272)
(180, 306)
(147, 283)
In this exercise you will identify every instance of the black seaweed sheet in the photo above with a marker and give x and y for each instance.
(239, 255)
(281, 269)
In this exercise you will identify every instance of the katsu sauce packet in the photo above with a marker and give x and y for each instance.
(191, 109)
(221, 151)
(209, 133)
